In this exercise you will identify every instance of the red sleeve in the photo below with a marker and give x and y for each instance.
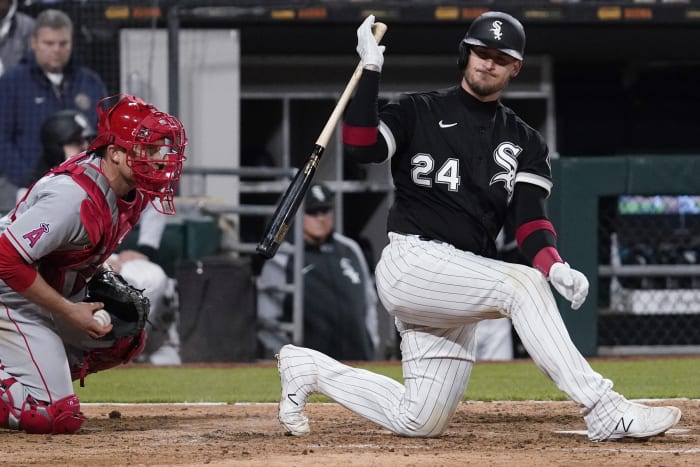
(14, 270)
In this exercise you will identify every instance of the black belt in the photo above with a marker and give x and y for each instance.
(424, 238)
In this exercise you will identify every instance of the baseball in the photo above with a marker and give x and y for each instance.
(102, 317)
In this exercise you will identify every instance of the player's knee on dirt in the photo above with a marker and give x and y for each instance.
(416, 420)
(38, 417)
(421, 429)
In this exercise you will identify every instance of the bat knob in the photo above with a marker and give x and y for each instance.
(267, 248)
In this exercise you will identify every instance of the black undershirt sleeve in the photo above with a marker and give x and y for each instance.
(362, 118)
(363, 109)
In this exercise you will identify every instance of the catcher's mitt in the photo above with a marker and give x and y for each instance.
(128, 308)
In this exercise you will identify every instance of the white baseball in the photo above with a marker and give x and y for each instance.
(102, 317)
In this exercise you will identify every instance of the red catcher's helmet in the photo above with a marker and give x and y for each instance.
(142, 130)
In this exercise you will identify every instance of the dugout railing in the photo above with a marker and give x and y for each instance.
(269, 179)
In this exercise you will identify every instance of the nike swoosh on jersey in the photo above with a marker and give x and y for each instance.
(446, 125)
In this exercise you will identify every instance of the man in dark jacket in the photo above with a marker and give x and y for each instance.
(40, 85)
(340, 314)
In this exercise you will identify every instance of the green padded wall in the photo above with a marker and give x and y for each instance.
(578, 184)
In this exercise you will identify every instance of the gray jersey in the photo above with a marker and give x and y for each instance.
(32, 339)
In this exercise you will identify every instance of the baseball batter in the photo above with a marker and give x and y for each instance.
(460, 160)
(55, 240)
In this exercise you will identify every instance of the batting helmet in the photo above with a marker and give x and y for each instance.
(154, 141)
(494, 30)
(63, 127)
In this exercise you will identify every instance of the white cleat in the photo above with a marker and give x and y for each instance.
(641, 421)
(298, 376)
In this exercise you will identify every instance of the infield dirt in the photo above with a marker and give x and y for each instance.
(481, 433)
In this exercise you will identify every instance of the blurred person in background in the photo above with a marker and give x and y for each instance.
(15, 33)
(340, 301)
(63, 134)
(42, 83)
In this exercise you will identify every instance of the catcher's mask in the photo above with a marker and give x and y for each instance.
(154, 142)
(493, 30)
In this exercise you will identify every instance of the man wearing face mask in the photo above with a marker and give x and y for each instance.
(54, 244)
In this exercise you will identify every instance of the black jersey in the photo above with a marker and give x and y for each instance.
(455, 162)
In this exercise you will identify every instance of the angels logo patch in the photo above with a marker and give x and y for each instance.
(506, 156)
(33, 236)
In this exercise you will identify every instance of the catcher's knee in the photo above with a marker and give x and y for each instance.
(38, 417)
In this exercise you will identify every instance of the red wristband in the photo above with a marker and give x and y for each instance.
(528, 228)
(545, 258)
(359, 135)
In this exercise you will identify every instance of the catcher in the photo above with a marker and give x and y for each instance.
(52, 246)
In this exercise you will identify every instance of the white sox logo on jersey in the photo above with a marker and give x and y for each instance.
(506, 156)
(496, 30)
(349, 270)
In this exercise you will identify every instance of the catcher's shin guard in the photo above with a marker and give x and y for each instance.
(38, 417)
(9, 415)
(61, 417)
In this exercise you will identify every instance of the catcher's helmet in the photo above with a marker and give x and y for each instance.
(136, 126)
(494, 30)
(63, 127)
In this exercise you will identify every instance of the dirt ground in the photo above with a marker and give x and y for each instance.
(481, 433)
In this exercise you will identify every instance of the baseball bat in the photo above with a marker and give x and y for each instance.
(291, 199)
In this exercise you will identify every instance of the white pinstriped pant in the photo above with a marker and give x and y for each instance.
(437, 294)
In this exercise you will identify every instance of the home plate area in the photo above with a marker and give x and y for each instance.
(481, 433)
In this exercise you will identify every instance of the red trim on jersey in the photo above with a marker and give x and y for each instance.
(545, 258)
(359, 135)
(528, 228)
(19, 245)
(13, 269)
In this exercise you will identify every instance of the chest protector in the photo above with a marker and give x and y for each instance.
(106, 218)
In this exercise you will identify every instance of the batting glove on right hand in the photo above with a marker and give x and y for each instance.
(570, 283)
(370, 52)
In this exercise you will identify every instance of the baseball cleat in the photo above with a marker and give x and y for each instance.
(298, 376)
(641, 421)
